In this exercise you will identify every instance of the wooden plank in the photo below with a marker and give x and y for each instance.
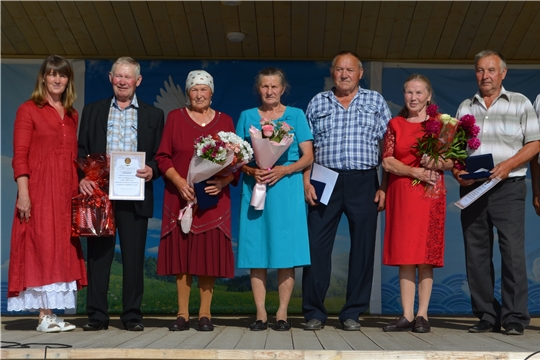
(172, 338)
(163, 28)
(13, 33)
(279, 340)
(197, 28)
(486, 27)
(282, 28)
(228, 338)
(95, 28)
(265, 28)
(504, 25)
(303, 339)
(7, 48)
(330, 338)
(316, 28)
(201, 340)
(129, 27)
(531, 38)
(248, 25)
(535, 53)
(526, 17)
(351, 21)
(43, 27)
(383, 30)
(180, 28)
(366, 31)
(231, 22)
(385, 340)
(299, 28)
(468, 30)
(60, 27)
(78, 28)
(333, 28)
(454, 20)
(146, 30)
(434, 29)
(214, 28)
(151, 335)
(400, 29)
(419, 23)
(112, 27)
(26, 27)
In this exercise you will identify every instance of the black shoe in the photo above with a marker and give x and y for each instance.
(205, 324)
(282, 325)
(351, 325)
(95, 325)
(314, 324)
(483, 326)
(258, 325)
(400, 324)
(514, 328)
(421, 325)
(179, 325)
(134, 325)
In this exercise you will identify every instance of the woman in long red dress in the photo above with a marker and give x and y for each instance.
(206, 251)
(414, 234)
(46, 264)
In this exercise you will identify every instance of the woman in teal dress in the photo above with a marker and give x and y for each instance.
(275, 237)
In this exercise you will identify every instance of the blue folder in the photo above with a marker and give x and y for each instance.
(204, 200)
(474, 163)
(319, 188)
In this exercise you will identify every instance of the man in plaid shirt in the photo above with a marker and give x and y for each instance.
(348, 123)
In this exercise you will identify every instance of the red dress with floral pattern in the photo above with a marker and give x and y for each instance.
(414, 232)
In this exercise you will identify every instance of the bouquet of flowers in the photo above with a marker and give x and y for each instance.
(269, 144)
(222, 153)
(448, 138)
(92, 215)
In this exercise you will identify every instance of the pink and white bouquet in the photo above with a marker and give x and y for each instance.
(448, 138)
(222, 153)
(268, 144)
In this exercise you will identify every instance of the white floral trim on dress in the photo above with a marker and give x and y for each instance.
(59, 295)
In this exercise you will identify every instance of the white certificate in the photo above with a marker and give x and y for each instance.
(123, 182)
(476, 193)
(327, 176)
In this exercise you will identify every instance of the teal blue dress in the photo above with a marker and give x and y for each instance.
(277, 236)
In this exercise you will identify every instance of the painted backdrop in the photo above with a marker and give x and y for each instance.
(163, 85)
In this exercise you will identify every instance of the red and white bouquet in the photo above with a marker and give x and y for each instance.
(269, 144)
(448, 138)
(222, 153)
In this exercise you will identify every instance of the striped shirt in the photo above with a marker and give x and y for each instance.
(122, 127)
(536, 105)
(348, 139)
(508, 124)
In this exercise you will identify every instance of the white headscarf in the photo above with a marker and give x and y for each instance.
(199, 77)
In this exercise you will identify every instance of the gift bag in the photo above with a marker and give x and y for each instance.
(93, 215)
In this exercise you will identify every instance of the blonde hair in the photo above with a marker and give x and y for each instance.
(55, 64)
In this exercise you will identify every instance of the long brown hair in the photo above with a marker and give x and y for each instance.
(56, 65)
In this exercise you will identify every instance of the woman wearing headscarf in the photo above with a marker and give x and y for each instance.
(206, 251)
(46, 265)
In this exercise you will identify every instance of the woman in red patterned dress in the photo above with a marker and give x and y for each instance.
(46, 264)
(414, 234)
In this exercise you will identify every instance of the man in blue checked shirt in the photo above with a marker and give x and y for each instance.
(348, 123)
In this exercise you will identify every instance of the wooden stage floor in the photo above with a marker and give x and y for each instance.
(231, 339)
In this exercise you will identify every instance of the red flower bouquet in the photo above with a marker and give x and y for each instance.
(448, 138)
(93, 215)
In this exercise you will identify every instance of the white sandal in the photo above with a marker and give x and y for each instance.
(48, 325)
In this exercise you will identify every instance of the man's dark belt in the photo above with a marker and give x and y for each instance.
(353, 171)
(513, 179)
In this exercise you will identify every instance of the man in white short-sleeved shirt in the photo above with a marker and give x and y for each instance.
(509, 130)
